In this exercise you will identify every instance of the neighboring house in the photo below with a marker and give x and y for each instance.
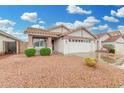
(114, 38)
(62, 39)
(9, 44)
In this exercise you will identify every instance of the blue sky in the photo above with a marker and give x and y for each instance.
(15, 19)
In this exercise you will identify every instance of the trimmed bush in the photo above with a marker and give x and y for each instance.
(45, 51)
(30, 52)
(90, 61)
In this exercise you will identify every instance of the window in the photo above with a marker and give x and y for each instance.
(36, 44)
(39, 43)
(69, 40)
(86, 41)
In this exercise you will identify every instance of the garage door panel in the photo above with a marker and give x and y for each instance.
(77, 47)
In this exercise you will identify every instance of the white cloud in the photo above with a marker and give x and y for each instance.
(41, 22)
(7, 23)
(101, 27)
(118, 13)
(31, 17)
(110, 19)
(38, 26)
(110, 30)
(121, 28)
(7, 26)
(10, 30)
(73, 9)
(88, 23)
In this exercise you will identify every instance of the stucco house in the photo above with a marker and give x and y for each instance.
(114, 38)
(9, 44)
(62, 39)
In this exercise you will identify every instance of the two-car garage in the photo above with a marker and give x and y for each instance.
(78, 46)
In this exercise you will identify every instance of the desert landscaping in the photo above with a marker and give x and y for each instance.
(57, 71)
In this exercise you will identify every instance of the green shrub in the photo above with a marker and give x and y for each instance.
(30, 52)
(45, 51)
(112, 51)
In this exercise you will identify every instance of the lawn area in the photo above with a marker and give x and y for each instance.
(56, 71)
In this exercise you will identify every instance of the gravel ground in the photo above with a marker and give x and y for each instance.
(56, 71)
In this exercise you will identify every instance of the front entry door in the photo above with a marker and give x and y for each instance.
(53, 45)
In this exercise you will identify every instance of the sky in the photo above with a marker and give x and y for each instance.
(14, 19)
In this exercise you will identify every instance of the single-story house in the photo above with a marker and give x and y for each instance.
(62, 39)
(114, 38)
(9, 44)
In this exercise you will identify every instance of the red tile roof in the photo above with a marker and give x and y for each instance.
(113, 38)
(101, 34)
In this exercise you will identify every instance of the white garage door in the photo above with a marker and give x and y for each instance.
(78, 46)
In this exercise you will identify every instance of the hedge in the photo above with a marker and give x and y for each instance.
(45, 51)
(30, 52)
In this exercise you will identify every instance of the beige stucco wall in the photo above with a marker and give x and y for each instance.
(66, 47)
(81, 33)
(86, 34)
(119, 46)
(59, 45)
(78, 33)
(103, 38)
(22, 46)
(4, 38)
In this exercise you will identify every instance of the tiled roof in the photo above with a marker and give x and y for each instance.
(113, 38)
(43, 32)
(114, 33)
(8, 35)
(101, 34)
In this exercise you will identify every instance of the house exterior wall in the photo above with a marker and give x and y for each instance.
(22, 46)
(103, 38)
(119, 46)
(78, 33)
(59, 45)
(86, 34)
(2, 39)
(81, 33)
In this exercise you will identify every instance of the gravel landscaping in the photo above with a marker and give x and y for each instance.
(56, 71)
